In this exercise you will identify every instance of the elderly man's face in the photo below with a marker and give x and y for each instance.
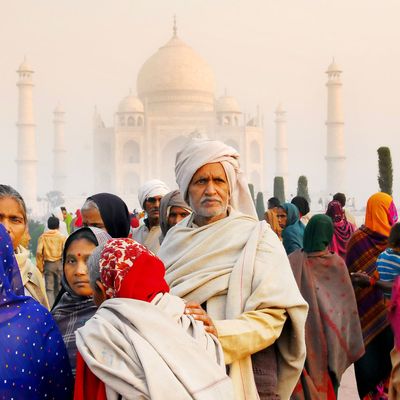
(209, 193)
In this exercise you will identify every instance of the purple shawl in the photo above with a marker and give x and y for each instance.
(343, 229)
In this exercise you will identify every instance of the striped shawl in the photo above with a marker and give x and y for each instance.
(363, 249)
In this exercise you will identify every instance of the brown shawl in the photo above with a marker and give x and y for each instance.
(333, 332)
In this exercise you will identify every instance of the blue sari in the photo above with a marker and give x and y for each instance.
(33, 360)
(292, 235)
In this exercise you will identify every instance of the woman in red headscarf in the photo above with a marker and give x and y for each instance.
(140, 343)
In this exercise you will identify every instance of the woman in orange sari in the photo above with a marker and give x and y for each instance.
(373, 369)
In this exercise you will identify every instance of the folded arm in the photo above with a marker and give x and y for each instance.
(251, 332)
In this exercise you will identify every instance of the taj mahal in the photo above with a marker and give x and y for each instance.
(175, 100)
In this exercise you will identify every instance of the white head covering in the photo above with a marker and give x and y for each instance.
(152, 188)
(200, 151)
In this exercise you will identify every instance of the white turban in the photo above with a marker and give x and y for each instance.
(199, 152)
(151, 189)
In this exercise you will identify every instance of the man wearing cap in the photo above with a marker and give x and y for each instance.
(150, 195)
(234, 274)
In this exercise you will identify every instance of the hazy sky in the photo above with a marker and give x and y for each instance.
(88, 53)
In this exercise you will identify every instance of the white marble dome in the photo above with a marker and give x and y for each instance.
(175, 68)
(130, 104)
(227, 104)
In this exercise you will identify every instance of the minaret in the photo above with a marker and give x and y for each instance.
(59, 169)
(335, 151)
(27, 158)
(281, 149)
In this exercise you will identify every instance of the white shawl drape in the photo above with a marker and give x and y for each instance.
(152, 351)
(239, 266)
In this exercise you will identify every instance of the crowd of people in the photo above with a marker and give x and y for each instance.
(199, 299)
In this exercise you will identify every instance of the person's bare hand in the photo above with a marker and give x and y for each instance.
(360, 279)
(194, 309)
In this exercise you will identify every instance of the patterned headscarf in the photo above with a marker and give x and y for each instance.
(129, 270)
(381, 213)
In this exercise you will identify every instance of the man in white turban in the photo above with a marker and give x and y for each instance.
(234, 274)
(150, 195)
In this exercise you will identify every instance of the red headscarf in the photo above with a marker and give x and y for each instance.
(129, 270)
(78, 221)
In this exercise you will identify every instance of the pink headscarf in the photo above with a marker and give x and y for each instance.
(343, 229)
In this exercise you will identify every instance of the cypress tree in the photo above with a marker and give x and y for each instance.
(251, 188)
(385, 177)
(260, 206)
(279, 188)
(302, 188)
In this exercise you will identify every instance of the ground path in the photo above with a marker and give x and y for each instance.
(348, 386)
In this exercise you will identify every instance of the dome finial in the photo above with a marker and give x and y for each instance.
(175, 29)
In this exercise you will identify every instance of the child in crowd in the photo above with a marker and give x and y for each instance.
(388, 262)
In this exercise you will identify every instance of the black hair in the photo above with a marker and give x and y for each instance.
(63, 209)
(394, 236)
(273, 202)
(302, 204)
(53, 223)
(341, 198)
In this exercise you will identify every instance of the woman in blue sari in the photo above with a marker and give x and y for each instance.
(293, 229)
(33, 360)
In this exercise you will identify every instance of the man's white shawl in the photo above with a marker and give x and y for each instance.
(153, 351)
(238, 265)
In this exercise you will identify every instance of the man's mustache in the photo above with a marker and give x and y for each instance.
(210, 199)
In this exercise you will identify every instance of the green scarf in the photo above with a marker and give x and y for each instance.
(318, 233)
